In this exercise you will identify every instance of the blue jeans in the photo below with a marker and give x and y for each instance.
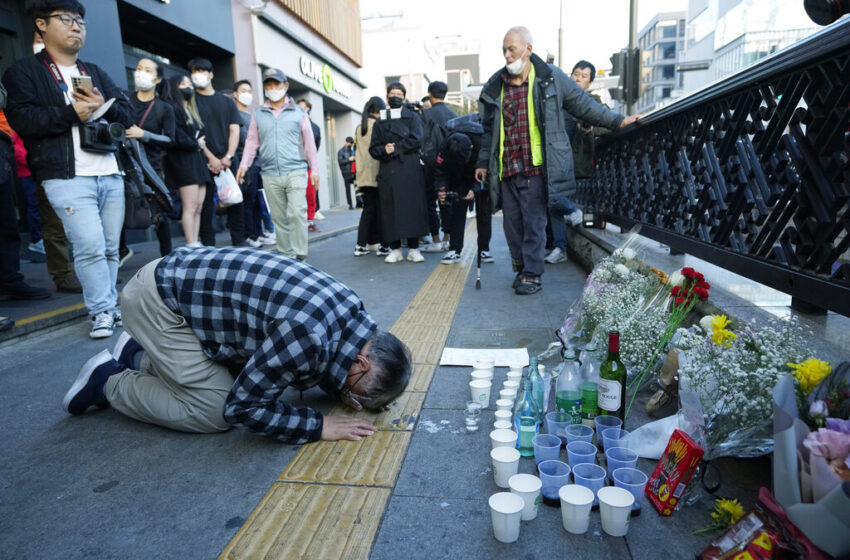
(92, 213)
(33, 216)
(558, 211)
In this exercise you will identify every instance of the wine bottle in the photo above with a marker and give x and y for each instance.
(612, 380)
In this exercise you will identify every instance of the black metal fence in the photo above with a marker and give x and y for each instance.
(751, 173)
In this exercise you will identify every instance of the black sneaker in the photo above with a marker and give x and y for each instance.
(87, 389)
(359, 251)
(451, 258)
(528, 286)
(486, 257)
(383, 251)
(125, 350)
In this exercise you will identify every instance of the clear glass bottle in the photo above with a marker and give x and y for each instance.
(526, 420)
(537, 384)
(568, 387)
(589, 374)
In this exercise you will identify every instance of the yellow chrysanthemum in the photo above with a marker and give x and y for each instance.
(720, 335)
(727, 512)
(810, 373)
(662, 277)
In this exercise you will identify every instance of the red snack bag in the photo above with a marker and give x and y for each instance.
(673, 472)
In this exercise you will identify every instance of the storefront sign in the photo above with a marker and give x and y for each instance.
(323, 75)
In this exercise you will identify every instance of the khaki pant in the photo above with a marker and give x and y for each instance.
(287, 196)
(178, 386)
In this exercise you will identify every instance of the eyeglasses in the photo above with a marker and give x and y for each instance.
(355, 400)
(69, 20)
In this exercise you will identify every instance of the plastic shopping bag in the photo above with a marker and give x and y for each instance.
(228, 189)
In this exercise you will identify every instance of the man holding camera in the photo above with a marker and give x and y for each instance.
(52, 98)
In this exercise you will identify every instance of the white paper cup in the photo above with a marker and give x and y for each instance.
(576, 502)
(615, 508)
(507, 394)
(511, 384)
(505, 404)
(517, 366)
(480, 390)
(484, 363)
(503, 425)
(527, 486)
(502, 438)
(505, 464)
(504, 415)
(505, 511)
(478, 374)
(515, 375)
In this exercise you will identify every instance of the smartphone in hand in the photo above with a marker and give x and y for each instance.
(82, 84)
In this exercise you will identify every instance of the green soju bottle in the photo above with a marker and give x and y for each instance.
(612, 380)
(568, 387)
(589, 373)
(526, 419)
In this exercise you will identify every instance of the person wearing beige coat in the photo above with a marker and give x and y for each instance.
(366, 168)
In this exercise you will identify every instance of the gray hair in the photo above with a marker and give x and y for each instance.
(391, 369)
(523, 33)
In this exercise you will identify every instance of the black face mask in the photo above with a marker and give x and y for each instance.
(187, 93)
(395, 102)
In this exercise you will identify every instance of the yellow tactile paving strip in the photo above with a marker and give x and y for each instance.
(328, 502)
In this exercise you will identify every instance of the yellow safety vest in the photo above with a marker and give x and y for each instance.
(533, 131)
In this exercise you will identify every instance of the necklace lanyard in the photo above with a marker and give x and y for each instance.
(57, 75)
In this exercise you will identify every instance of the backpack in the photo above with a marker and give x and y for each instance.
(435, 135)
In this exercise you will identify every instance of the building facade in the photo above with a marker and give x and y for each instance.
(317, 44)
(661, 42)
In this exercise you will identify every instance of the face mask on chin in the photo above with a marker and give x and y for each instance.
(144, 80)
(515, 67)
(275, 95)
(395, 102)
(245, 98)
(201, 80)
(187, 93)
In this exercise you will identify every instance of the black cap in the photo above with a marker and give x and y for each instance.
(274, 74)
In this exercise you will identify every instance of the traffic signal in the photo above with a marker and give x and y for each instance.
(627, 65)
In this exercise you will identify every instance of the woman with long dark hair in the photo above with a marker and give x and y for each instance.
(369, 231)
(184, 164)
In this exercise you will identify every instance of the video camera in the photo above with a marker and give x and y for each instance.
(101, 137)
(824, 12)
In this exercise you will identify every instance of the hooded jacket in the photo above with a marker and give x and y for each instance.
(553, 93)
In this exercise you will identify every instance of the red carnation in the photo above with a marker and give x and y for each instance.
(680, 300)
(701, 292)
(675, 291)
(688, 272)
(703, 284)
(699, 276)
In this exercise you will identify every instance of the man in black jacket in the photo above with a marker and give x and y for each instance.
(52, 99)
(434, 120)
(345, 157)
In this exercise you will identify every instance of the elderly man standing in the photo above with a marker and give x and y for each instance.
(281, 133)
(525, 147)
(204, 316)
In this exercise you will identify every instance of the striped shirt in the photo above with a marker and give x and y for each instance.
(277, 321)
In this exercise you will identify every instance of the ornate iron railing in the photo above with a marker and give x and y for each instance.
(751, 173)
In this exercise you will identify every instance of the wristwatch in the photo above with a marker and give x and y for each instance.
(228, 156)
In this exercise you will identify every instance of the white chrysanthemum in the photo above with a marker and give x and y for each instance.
(677, 279)
(705, 323)
(628, 254)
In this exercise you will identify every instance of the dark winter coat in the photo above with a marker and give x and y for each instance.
(344, 164)
(37, 111)
(554, 92)
(401, 182)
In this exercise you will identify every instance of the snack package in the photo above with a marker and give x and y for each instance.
(673, 472)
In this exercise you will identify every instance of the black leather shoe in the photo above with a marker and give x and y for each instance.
(22, 290)
(527, 287)
(517, 281)
(6, 323)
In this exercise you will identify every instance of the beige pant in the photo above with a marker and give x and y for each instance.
(287, 196)
(178, 386)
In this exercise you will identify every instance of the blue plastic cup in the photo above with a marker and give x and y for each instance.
(634, 481)
(579, 432)
(619, 458)
(556, 423)
(603, 423)
(614, 437)
(553, 475)
(546, 447)
(579, 452)
(591, 477)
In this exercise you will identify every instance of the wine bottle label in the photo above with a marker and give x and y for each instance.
(609, 395)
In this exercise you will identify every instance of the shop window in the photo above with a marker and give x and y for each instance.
(668, 72)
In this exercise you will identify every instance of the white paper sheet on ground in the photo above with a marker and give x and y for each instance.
(651, 439)
(465, 356)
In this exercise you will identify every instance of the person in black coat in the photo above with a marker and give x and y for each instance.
(345, 157)
(396, 141)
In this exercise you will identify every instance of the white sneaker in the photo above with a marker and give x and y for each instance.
(576, 217)
(103, 325)
(318, 216)
(432, 248)
(395, 256)
(451, 258)
(255, 243)
(486, 257)
(37, 247)
(556, 256)
(382, 251)
(444, 246)
(267, 240)
(359, 251)
(413, 255)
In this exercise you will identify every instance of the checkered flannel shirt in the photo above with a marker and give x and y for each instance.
(517, 155)
(285, 323)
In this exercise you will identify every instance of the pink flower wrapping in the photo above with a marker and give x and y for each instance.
(828, 444)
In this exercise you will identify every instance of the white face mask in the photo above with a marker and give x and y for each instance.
(37, 48)
(275, 95)
(245, 98)
(144, 80)
(200, 80)
(515, 67)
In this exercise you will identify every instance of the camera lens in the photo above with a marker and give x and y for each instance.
(114, 132)
(824, 12)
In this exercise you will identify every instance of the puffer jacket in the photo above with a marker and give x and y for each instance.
(365, 165)
(554, 92)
